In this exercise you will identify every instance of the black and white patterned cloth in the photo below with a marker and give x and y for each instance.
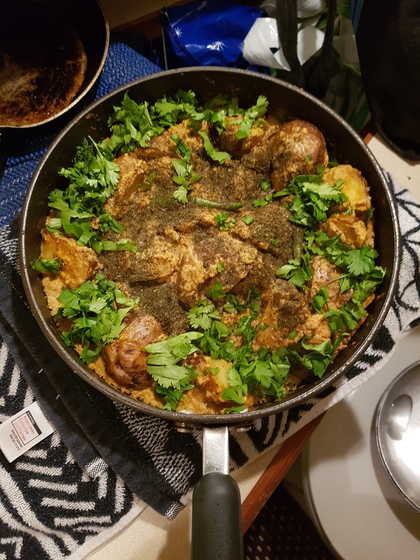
(81, 485)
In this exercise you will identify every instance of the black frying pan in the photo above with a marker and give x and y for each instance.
(216, 499)
(51, 54)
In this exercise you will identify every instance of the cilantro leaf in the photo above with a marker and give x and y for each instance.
(162, 363)
(248, 220)
(320, 299)
(256, 111)
(97, 309)
(361, 261)
(224, 222)
(216, 291)
(211, 151)
(265, 184)
(181, 195)
(297, 271)
(201, 316)
(181, 148)
(46, 266)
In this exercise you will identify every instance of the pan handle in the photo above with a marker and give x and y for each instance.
(216, 514)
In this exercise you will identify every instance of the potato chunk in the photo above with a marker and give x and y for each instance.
(354, 187)
(78, 265)
(299, 150)
(349, 228)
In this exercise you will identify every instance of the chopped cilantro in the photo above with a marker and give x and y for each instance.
(216, 291)
(211, 151)
(108, 223)
(165, 356)
(224, 222)
(251, 115)
(46, 266)
(265, 184)
(297, 271)
(201, 315)
(320, 299)
(97, 309)
(248, 220)
(220, 266)
(181, 195)
(292, 334)
(312, 199)
(172, 396)
(361, 261)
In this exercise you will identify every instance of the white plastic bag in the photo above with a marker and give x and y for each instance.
(261, 45)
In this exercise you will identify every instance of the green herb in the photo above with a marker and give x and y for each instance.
(201, 316)
(47, 266)
(274, 242)
(131, 126)
(172, 396)
(297, 271)
(53, 225)
(220, 267)
(165, 356)
(224, 222)
(108, 223)
(360, 261)
(292, 334)
(181, 195)
(184, 177)
(265, 184)
(320, 299)
(211, 151)
(97, 309)
(181, 148)
(120, 245)
(216, 291)
(312, 199)
(251, 115)
(248, 220)
(260, 203)
(236, 390)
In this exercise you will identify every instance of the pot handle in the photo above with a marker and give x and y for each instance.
(216, 513)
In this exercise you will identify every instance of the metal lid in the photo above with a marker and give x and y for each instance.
(397, 427)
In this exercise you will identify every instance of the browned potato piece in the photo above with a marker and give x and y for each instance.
(349, 228)
(354, 187)
(256, 149)
(78, 264)
(125, 358)
(299, 148)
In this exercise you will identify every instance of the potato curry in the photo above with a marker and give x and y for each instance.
(208, 258)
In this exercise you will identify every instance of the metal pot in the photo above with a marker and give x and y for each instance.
(216, 498)
(38, 39)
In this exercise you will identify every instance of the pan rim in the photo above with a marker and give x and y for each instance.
(70, 357)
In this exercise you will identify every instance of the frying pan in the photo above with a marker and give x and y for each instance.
(216, 506)
(51, 54)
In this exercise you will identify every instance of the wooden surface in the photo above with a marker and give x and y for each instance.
(275, 472)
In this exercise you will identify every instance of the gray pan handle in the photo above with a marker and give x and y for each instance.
(216, 515)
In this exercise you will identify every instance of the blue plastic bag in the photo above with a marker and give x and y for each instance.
(210, 32)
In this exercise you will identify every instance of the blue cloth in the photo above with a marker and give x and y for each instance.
(210, 32)
(25, 147)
